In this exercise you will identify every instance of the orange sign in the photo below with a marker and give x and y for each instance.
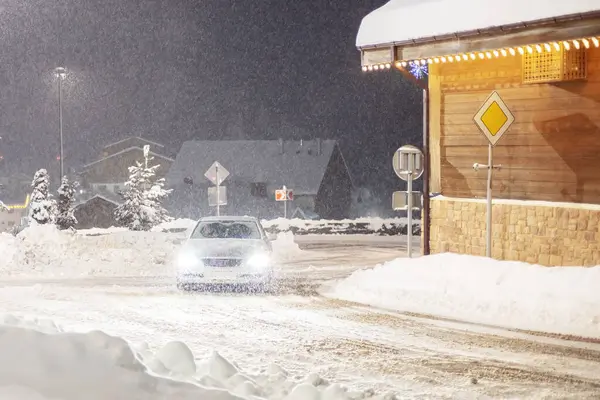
(284, 195)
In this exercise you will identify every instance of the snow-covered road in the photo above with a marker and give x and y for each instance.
(359, 346)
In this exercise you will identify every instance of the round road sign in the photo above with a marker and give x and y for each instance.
(408, 159)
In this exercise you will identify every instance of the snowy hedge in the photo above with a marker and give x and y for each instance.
(363, 226)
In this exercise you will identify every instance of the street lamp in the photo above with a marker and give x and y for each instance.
(61, 74)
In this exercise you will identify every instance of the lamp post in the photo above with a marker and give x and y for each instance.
(61, 74)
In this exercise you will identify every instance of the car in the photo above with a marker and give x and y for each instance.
(226, 250)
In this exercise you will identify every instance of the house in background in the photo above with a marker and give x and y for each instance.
(108, 174)
(96, 212)
(15, 212)
(315, 170)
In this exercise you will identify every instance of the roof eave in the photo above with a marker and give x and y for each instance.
(490, 31)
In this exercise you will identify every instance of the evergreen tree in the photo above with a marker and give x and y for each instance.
(142, 198)
(65, 219)
(42, 207)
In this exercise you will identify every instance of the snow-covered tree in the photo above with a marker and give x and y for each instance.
(42, 206)
(142, 198)
(3, 206)
(65, 219)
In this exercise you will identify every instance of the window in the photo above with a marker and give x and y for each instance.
(226, 230)
(258, 189)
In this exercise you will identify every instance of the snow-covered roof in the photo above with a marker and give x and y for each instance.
(299, 166)
(402, 21)
(134, 138)
(126, 151)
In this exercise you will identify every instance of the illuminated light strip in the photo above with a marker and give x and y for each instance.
(19, 206)
(490, 54)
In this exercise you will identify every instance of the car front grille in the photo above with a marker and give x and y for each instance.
(222, 262)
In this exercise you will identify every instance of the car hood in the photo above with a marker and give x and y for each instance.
(224, 248)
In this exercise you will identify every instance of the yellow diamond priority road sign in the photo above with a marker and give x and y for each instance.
(494, 118)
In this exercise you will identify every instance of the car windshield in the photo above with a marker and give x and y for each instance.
(226, 230)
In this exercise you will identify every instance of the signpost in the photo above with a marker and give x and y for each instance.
(408, 165)
(493, 119)
(284, 195)
(217, 174)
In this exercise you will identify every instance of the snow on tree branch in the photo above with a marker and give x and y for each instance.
(143, 197)
(42, 207)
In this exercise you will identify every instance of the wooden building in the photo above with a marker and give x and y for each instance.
(543, 59)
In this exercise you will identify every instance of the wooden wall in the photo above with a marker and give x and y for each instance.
(551, 152)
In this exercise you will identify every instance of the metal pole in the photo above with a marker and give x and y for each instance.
(218, 191)
(409, 206)
(285, 202)
(60, 125)
(488, 239)
(426, 216)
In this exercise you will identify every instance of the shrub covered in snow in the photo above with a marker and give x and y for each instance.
(65, 219)
(42, 208)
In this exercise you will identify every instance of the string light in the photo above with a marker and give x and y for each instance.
(582, 43)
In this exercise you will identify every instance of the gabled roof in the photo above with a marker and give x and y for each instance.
(132, 138)
(126, 151)
(256, 161)
(405, 21)
(107, 198)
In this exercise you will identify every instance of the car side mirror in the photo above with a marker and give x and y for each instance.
(272, 236)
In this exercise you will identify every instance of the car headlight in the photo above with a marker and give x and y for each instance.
(259, 260)
(187, 260)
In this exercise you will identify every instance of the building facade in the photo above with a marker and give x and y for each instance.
(544, 62)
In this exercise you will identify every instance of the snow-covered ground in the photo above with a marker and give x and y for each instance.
(481, 290)
(48, 363)
(282, 345)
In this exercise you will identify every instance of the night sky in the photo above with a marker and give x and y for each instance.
(176, 70)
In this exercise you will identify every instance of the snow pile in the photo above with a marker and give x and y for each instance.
(373, 224)
(563, 300)
(47, 364)
(43, 250)
(285, 247)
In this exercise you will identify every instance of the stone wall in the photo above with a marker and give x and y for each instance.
(550, 234)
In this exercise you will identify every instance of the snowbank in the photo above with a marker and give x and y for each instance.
(374, 224)
(43, 250)
(47, 364)
(477, 289)
(285, 247)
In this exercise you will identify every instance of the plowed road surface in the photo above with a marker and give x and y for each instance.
(361, 347)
